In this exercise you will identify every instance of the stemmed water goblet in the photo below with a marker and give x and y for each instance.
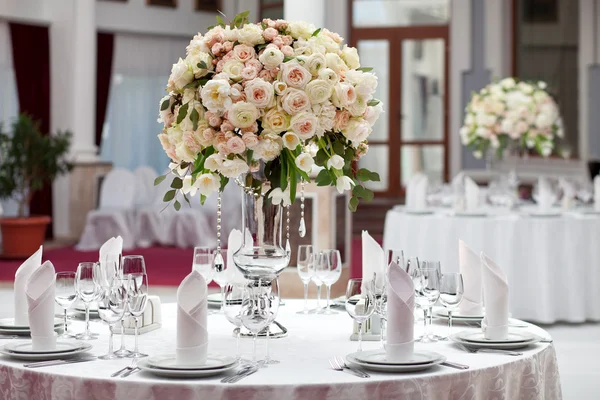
(360, 303)
(273, 299)
(451, 293)
(111, 309)
(426, 279)
(220, 275)
(305, 258)
(232, 308)
(65, 296)
(396, 256)
(255, 314)
(328, 267)
(137, 295)
(317, 281)
(133, 264)
(203, 262)
(87, 287)
(380, 294)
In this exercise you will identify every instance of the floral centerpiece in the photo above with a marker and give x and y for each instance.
(277, 96)
(511, 113)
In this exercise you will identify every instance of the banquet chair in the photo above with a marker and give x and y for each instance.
(193, 226)
(112, 217)
(144, 183)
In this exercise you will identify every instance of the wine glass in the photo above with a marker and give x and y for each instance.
(232, 308)
(87, 288)
(328, 267)
(65, 296)
(220, 275)
(255, 314)
(317, 281)
(360, 303)
(412, 267)
(380, 293)
(203, 262)
(137, 295)
(111, 309)
(451, 293)
(129, 265)
(427, 291)
(273, 299)
(396, 256)
(305, 258)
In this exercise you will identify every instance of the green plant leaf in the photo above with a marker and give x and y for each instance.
(182, 112)
(202, 65)
(349, 155)
(159, 180)
(315, 33)
(202, 199)
(165, 104)
(288, 58)
(293, 178)
(220, 21)
(224, 182)
(177, 205)
(321, 158)
(324, 178)
(170, 195)
(363, 175)
(358, 191)
(353, 204)
(187, 200)
(365, 69)
(338, 148)
(194, 117)
(374, 176)
(261, 46)
(177, 183)
(373, 102)
(368, 195)
(283, 181)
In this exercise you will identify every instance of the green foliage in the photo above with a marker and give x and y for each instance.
(28, 160)
(365, 69)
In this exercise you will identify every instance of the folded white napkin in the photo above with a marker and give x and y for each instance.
(400, 314)
(373, 260)
(234, 275)
(416, 192)
(192, 310)
(471, 194)
(495, 296)
(545, 196)
(21, 277)
(569, 193)
(110, 252)
(40, 301)
(458, 192)
(470, 269)
(597, 193)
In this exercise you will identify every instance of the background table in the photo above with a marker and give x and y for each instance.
(552, 263)
(304, 372)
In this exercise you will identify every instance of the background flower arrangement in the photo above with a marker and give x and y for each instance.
(510, 112)
(282, 94)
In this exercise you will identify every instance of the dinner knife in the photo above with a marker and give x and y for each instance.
(58, 362)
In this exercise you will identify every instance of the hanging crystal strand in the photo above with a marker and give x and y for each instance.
(302, 228)
(218, 263)
(288, 248)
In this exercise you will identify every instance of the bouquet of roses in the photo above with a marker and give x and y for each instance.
(278, 95)
(511, 112)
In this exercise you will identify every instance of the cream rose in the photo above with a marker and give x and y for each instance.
(315, 63)
(335, 63)
(350, 57)
(304, 124)
(243, 52)
(184, 152)
(329, 75)
(250, 34)
(236, 145)
(357, 130)
(344, 95)
(305, 162)
(290, 140)
(372, 113)
(271, 58)
(269, 147)
(294, 101)
(301, 29)
(181, 75)
(294, 75)
(259, 92)
(250, 140)
(243, 115)
(276, 120)
(195, 60)
(215, 95)
(358, 108)
(233, 168)
(318, 91)
(233, 69)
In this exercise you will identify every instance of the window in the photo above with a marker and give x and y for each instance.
(208, 5)
(163, 3)
(272, 9)
(387, 13)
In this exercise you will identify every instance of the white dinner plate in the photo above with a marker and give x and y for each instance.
(214, 298)
(500, 346)
(18, 332)
(9, 323)
(418, 212)
(478, 337)
(379, 357)
(395, 367)
(44, 356)
(456, 316)
(183, 373)
(170, 362)
(544, 214)
(26, 347)
(470, 214)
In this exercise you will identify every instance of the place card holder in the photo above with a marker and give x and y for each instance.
(149, 321)
(371, 329)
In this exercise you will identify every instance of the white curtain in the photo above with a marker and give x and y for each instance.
(141, 67)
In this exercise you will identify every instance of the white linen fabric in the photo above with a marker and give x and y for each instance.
(597, 193)
(495, 296)
(400, 314)
(303, 373)
(114, 214)
(470, 268)
(541, 256)
(40, 302)
(192, 310)
(471, 194)
(20, 285)
(373, 260)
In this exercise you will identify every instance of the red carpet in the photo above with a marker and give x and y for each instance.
(166, 266)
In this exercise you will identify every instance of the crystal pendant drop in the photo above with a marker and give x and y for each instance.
(302, 228)
(288, 248)
(219, 263)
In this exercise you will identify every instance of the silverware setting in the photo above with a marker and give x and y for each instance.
(339, 364)
(454, 365)
(243, 372)
(61, 361)
(495, 351)
(9, 337)
(130, 372)
(125, 370)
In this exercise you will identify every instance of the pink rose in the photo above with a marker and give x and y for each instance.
(249, 73)
(251, 129)
(269, 22)
(336, 37)
(341, 120)
(243, 52)
(214, 121)
(228, 56)
(293, 101)
(209, 134)
(227, 126)
(172, 154)
(278, 41)
(250, 139)
(270, 33)
(259, 92)
(287, 51)
(236, 145)
(281, 24)
(164, 141)
(266, 75)
(228, 46)
(190, 142)
(304, 125)
(217, 48)
(220, 65)
(361, 150)
(287, 40)
(254, 63)
(295, 75)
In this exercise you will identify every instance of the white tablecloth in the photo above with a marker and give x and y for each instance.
(303, 373)
(552, 263)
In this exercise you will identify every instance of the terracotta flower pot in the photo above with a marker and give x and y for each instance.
(21, 237)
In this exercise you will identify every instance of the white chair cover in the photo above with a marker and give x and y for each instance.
(145, 189)
(152, 221)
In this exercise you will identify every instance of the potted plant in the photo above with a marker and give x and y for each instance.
(28, 160)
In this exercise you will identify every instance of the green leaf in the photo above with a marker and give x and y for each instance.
(182, 112)
(315, 33)
(177, 205)
(374, 176)
(283, 181)
(202, 199)
(170, 195)
(358, 191)
(338, 148)
(304, 175)
(187, 200)
(324, 178)
(194, 117)
(158, 180)
(368, 195)
(363, 175)
(373, 102)
(261, 46)
(224, 182)
(349, 155)
(293, 178)
(321, 158)
(193, 84)
(220, 21)
(177, 183)
(202, 65)
(288, 58)
(365, 69)
(165, 104)
(353, 204)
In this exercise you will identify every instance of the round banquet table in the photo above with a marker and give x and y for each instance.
(303, 373)
(552, 263)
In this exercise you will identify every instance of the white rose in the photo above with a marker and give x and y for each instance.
(335, 63)
(269, 147)
(279, 87)
(335, 162)
(231, 35)
(294, 101)
(250, 34)
(543, 120)
(290, 140)
(496, 90)
(372, 113)
(233, 69)
(214, 162)
(259, 92)
(187, 186)
(294, 74)
(215, 95)
(271, 58)
(166, 116)
(359, 107)
(184, 152)
(344, 94)
(482, 132)
(350, 57)
(175, 134)
(507, 125)
(207, 184)
(242, 114)
(181, 74)
(318, 91)
(301, 29)
(343, 183)
(526, 87)
(197, 45)
(469, 119)
(305, 162)
(357, 130)
(276, 120)
(315, 63)
(329, 75)
(304, 124)
(233, 168)
(198, 58)
(508, 83)
(464, 135)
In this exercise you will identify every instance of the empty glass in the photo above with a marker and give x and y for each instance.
(255, 314)
(317, 281)
(396, 256)
(273, 298)
(305, 258)
(451, 293)
(232, 308)
(137, 295)
(87, 288)
(220, 276)
(133, 264)
(427, 291)
(65, 296)
(380, 293)
(328, 268)
(111, 309)
(203, 262)
(360, 303)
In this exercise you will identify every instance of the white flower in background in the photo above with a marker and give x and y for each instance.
(357, 131)
(507, 126)
(290, 140)
(329, 75)
(276, 120)
(372, 113)
(197, 59)
(304, 125)
(233, 168)
(279, 196)
(335, 162)
(464, 135)
(483, 132)
(250, 34)
(215, 95)
(188, 187)
(301, 29)
(508, 83)
(350, 57)
(315, 63)
(478, 154)
(207, 184)
(542, 85)
(319, 91)
(547, 148)
(213, 162)
(343, 183)
(335, 63)
(243, 115)
(271, 58)
(494, 142)
(269, 147)
(181, 74)
(305, 162)
(233, 69)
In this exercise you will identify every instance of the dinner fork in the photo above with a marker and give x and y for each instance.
(128, 368)
(339, 364)
(497, 351)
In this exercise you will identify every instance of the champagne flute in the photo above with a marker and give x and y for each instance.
(451, 293)
(129, 264)
(111, 309)
(220, 276)
(427, 291)
(138, 297)
(65, 296)
(412, 269)
(203, 262)
(273, 299)
(396, 256)
(329, 269)
(317, 281)
(360, 303)
(88, 288)
(232, 308)
(305, 258)
(254, 315)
